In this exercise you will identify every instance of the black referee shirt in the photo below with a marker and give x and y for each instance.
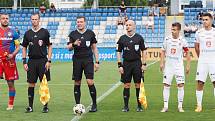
(131, 46)
(37, 43)
(87, 38)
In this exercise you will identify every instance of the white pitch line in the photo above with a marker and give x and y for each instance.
(77, 118)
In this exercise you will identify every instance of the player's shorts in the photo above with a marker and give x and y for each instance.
(203, 69)
(36, 68)
(171, 71)
(80, 65)
(8, 67)
(132, 69)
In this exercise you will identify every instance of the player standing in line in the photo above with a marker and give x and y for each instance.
(171, 64)
(9, 47)
(205, 49)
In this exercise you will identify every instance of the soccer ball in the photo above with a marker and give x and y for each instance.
(79, 109)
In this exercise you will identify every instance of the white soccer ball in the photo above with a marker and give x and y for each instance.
(79, 109)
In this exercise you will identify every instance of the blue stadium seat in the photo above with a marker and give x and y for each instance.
(97, 22)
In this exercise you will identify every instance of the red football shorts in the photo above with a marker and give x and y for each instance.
(8, 67)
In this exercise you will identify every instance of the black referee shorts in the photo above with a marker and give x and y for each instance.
(131, 69)
(36, 68)
(80, 65)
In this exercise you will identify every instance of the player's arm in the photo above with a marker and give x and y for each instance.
(96, 55)
(119, 54)
(24, 60)
(188, 58)
(17, 48)
(143, 59)
(162, 56)
(72, 42)
(119, 62)
(17, 45)
(197, 48)
(49, 52)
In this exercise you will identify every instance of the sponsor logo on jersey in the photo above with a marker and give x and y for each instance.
(208, 43)
(6, 38)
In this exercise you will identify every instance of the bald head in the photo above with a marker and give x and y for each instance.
(130, 27)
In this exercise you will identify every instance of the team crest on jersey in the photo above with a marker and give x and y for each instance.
(173, 51)
(40, 42)
(208, 43)
(87, 43)
(9, 34)
(136, 47)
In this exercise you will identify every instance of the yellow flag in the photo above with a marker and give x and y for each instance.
(44, 91)
(142, 95)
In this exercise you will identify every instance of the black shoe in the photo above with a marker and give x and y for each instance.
(28, 110)
(93, 108)
(45, 110)
(125, 109)
(139, 109)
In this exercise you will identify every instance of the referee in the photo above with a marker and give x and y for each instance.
(37, 41)
(133, 50)
(83, 42)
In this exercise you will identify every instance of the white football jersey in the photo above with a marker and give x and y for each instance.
(174, 49)
(206, 40)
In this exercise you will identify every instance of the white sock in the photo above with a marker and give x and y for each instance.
(214, 92)
(166, 91)
(199, 95)
(180, 96)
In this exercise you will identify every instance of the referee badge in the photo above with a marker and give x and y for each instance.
(9, 34)
(136, 47)
(40, 42)
(87, 43)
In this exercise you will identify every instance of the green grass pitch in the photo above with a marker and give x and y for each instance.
(109, 109)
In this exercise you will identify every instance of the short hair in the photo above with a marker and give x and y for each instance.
(177, 24)
(4, 14)
(34, 14)
(207, 14)
(78, 17)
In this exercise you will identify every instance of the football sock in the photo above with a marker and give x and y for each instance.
(180, 96)
(166, 91)
(137, 95)
(92, 89)
(126, 95)
(199, 95)
(214, 92)
(30, 96)
(77, 93)
(12, 94)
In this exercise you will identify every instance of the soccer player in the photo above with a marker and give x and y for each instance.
(36, 40)
(132, 48)
(83, 42)
(9, 47)
(171, 64)
(205, 49)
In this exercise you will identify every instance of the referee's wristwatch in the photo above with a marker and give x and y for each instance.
(144, 64)
(97, 62)
(49, 61)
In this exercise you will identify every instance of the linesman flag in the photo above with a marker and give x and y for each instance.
(44, 91)
(142, 95)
